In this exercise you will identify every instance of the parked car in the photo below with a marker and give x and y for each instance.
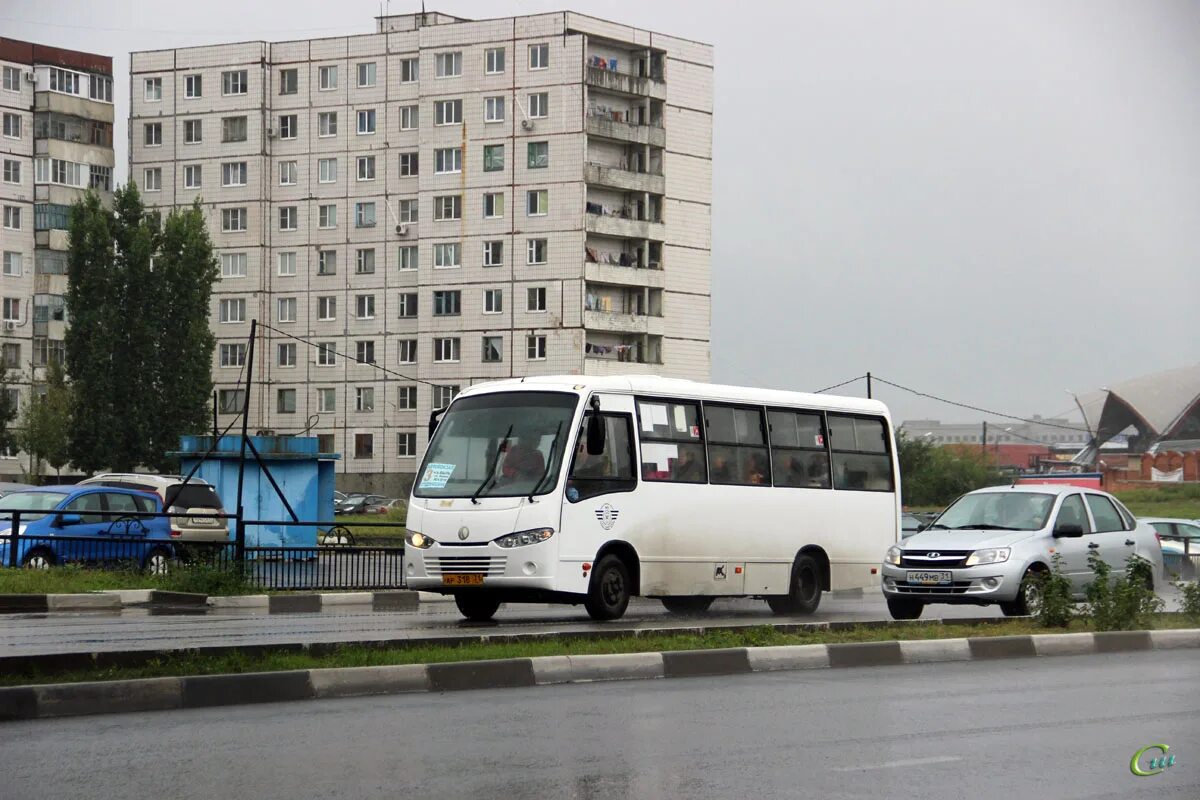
(1181, 550)
(195, 503)
(8, 488)
(989, 545)
(360, 504)
(87, 524)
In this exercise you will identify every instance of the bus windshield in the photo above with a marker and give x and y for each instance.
(498, 445)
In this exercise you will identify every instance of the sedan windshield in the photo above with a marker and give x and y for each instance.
(498, 445)
(1005, 511)
(29, 501)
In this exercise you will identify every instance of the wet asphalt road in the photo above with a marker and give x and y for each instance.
(1060, 728)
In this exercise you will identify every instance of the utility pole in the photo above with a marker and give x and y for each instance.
(868, 386)
(983, 441)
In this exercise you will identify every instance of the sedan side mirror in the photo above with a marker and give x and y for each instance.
(1068, 530)
(69, 519)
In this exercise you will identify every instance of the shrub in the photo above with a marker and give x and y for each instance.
(1125, 603)
(1058, 609)
(1189, 601)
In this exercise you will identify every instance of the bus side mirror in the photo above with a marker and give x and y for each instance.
(595, 435)
(434, 419)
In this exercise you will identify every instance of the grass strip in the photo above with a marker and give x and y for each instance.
(74, 579)
(185, 663)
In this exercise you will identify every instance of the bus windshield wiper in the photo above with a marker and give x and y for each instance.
(491, 476)
(549, 461)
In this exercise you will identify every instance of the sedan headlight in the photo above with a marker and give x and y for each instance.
(992, 555)
(522, 538)
(419, 540)
(893, 556)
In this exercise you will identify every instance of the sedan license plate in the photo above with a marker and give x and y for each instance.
(929, 578)
(462, 580)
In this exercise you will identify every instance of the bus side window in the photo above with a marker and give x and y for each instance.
(610, 471)
(860, 454)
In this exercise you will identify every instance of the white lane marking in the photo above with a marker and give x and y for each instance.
(906, 762)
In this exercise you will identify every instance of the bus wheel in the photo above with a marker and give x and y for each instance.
(477, 607)
(904, 607)
(805, 595)
(608, 592)
(687, 605)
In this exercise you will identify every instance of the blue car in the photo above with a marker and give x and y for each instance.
(86, 524)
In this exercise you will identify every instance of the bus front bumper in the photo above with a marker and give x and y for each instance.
(446, 568)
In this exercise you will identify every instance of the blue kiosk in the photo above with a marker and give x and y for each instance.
(304, 475)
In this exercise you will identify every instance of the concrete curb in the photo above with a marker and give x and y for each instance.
(152, 694)
(114, 600)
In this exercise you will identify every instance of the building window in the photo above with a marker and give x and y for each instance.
(101, 88)
(152, 134)
(447, 207)
(539, 105)
(447, 303)
(493, 349)
(233, 220)
(447, 160)
(327, 262)
(536, 300)
(327, 123)
(193, 131)
(152, 179)
(493, 157)
(447, 112)
(366, 168)
(285, 401)
(539, 56)
(193, 86)
(366, 74)
(443, 395)
(100, 178)
(407, 349)
(326, 308)
(535, 348)
(12, 309)
(366, 121)
(233, 265)
(288, 218)
(287, 265)
(409, 165)
(364, 445)
(288, 126)
(406, 445)
(406, 398)
(12, 264)
(193, 176)
(446, 349)
(493, 254)
(493, 60)
(326, 354)
(407, 305)
(493, 301)
(364, 398)
(63, 81)
(539, 155)
(493, 205)
(232, 401)
(327, 216)
(233, 173)
(407, 257)
(536, 251)
(234, 82)
(410, 118)
(285, 309)
(408, 210)
(287, 173)
(12, 171)
(326, 170)
(289, 81)
(364, 306)
(325, 442)
(12, 79)
(326, 400)
(153, 90)
(232, 310)
(12, 218)
(537, 202)
(233, 355)
(233, 129)
(493, 109)
(364, 261)
(410, 70)
(12, 355)
(285, 354)
(364, 352)
(447, 254)
(364, 215)
(12, 125)
(327, 78)
(449, 65)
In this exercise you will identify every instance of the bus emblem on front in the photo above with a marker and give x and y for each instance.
(464, 532)
(607, 515)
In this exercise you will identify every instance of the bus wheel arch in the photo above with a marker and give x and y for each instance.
(624, 551)
(809, 577)
(614, 580)
(819, 555)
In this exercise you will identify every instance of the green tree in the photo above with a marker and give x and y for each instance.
(45, 422)
(933, 475)
(8, 413)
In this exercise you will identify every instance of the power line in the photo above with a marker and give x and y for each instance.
(979, 409)
(348, 357)
(839, 385)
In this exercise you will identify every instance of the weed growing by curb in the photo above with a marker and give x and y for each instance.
(1123, 604)
(1057, 609)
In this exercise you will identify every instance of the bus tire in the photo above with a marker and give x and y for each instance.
(687, 605)
(476, 606)
(805, 594)
(608, 591)
(905, 607)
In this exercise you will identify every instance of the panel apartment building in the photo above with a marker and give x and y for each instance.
(56, 107)
(436, 204)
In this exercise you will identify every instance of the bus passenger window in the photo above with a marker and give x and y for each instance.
(737, 446)
(860, 454)
(798, 449)
(672, 446)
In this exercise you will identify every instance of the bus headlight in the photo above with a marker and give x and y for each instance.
(893, 555)
(419, 540)
(991, 555)
(522, 538)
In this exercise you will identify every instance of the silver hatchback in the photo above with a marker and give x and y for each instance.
(989, 545)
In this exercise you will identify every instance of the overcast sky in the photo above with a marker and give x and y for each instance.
(989, 202)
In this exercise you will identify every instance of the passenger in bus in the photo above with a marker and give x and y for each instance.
(588, 465)
(721, 471)
(758, 470)
(687, 467)
(523, 461)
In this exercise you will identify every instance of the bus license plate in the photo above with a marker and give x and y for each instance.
(929, 578)
(462, 580)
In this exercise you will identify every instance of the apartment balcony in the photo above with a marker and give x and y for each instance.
(616, 275)
(609, 128)
(616, 225)
(623, 179)
(613, 322)
(621, 83)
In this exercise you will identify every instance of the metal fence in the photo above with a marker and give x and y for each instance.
(1181, 557)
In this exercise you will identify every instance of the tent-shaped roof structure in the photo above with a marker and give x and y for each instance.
(1163, 405)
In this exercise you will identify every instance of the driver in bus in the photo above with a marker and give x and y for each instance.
(523, 461)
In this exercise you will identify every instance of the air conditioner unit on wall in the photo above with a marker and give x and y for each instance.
(30, 77)
(527, 124)
(10, 325)
(401, 230)
(270, 132)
